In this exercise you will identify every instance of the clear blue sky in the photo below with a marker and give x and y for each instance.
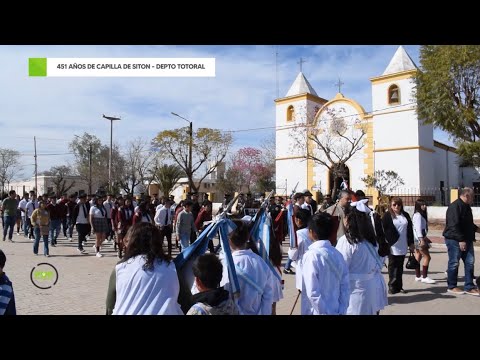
(239, 97)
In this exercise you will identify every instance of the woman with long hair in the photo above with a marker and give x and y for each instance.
(359, 248)
(145, 281)
(399, 235)
(98, 220)
(422, 242)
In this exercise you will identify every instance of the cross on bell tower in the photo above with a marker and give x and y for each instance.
(301, 61)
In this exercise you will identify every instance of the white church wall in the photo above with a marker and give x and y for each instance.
(425, 135)
(356, 165)
(380, 95)
(287, 137)
(320, 177)
(405, 163)
(396, 130)
(439, 169)
(469, 175)
(293, 170)
(454, 169)
(426, 170)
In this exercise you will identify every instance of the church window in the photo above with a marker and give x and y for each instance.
(290, 113)
(393, 95)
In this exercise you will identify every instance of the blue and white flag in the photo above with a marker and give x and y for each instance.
(184, 260)
(260, 234)
(292, 234)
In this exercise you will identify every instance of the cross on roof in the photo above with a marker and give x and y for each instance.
(339, 84)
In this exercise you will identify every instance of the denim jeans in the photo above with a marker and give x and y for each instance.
(468, 258)
(54, 230)
(184, 240)
(37, 242)
(288, 265)
(8, 221)
(26, 226)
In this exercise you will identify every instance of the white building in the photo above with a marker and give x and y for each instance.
(46, 185)
(394, 137)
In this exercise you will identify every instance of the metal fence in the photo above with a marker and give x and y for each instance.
(433, 196)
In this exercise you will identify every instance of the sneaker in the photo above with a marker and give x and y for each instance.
(418, 278)
(11, 240)
(446, 272)
(427, 280)
(456, 291)
(47, 255)
(87, 238)
(53, 244)
(18, 233)
(403, 291)
(288, 271)
(4, 238)
(70, 239)
(84, 243)
(473, 292)
(98, 255)
(81, 251)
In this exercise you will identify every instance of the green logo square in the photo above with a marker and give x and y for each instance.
(37, 67)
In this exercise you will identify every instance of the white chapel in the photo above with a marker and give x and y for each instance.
(393, 137)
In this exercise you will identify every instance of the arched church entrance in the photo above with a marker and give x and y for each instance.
(339, 179)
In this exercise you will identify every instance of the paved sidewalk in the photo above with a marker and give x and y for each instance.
(83, 282)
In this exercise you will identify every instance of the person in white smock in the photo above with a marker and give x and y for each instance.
(359, 248)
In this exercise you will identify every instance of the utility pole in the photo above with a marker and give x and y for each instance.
(190, 146)
(112, 119)
(36, 167)
(90, 150)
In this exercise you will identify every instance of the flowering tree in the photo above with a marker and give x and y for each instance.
(249, 163)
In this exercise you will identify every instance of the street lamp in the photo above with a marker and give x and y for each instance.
(190, 145)
(112, 119)
(90, 150)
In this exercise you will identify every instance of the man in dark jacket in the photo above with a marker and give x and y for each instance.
(459, 236)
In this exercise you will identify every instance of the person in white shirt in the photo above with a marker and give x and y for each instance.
(398, 229)
(163, 219)
(303, 242)
(98, 220)
(359, 248)
(108, 206)
(32, 205)
(146, 279)
(422, 242)
(22, 206)
(254, 275)
(325, 279)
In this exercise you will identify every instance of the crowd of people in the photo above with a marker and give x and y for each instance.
(339, 252)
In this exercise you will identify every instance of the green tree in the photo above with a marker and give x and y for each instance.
(209, 148)
(384, 181)
(448, 94)
(167, 176)
(100, 158)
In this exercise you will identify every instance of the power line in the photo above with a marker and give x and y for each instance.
(297, 125)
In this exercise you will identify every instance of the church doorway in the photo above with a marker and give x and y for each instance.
(339, 182)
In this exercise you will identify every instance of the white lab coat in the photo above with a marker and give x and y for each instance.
(251, 301)
(296, 254)
(325, 281)
(368, 291)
